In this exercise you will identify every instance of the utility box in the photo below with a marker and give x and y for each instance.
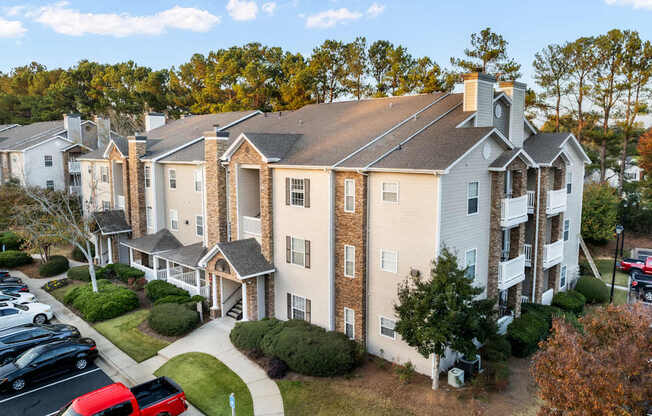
(456, 377)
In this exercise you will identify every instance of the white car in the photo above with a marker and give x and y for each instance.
(19, 298)
(13, 314)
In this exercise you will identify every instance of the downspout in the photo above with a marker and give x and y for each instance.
(536, 236)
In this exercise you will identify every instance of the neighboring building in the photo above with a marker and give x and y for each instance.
(319, 213)
(45, 154)
(633, 173)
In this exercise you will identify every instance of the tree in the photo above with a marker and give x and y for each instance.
(604, 369)
(581, 58)
(488, 54)
(355, 61)
(327, 63)
(379, 64)
(551, 72)
(29, 222)
(645, 162)
(400, 65)
(441, 312)
(599, 212)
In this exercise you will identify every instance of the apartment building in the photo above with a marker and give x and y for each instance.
(44, 154)
(319, 213)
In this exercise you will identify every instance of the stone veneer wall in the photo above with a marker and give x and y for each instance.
(351, 229)
(6, 171)
(544, 187)
(216, 221)
(137, 187)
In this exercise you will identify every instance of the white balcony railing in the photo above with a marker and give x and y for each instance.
(511, 272)
(250, 227)
(121, 201)
(553, 253)
(530, 202)
(513, 211)
(527, 251)
(556, 201)
(74, 167)
(149, 273)
(75, 190)
(188, 281)
(162, 274)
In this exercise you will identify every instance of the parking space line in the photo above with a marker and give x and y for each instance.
(49, 385)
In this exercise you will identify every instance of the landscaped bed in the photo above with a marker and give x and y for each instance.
(208, 383)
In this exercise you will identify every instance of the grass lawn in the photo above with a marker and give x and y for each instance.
(207, 383)
(61, 292)
(605, 267)
(124, 333)
(620, 297)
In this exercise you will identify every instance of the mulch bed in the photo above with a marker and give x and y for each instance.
(31, 270)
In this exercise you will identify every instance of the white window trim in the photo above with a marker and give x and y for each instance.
(198, 175)
(149, 213)
(468, 197)
(346, 182)
(352, 260)
(292, 307)
(197, 226)
(292, 251)
(569, 174)
(170, 179)
(382, 250)
(176, 217)
(45, 158)
(475, 270)
(563, 230)
(102, 168)
(382, 192)
(147, 169)
(380, 327)
(349, 323)
(303, 192)
(46, 184)
(563, 270)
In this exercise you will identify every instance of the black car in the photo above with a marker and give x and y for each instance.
(47, 361)
(642, 285)
(16, 340)
(13, 287)
(10, 279)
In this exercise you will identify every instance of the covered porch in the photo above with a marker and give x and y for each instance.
(180, 267)
(111, 230)
(143, 251)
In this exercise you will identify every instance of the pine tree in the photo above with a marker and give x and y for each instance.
(488, 54)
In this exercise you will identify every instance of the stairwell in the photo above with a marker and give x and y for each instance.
(236, 311)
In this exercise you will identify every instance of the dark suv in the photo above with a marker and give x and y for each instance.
(14, 341)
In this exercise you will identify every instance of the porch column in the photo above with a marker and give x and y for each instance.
(260, 288)
(97, 250)
(99, 239)
(167, 267)
(131, 256)
(155, 267)
(214, 307)
(245, 314)
(110, 244)
(198, 281)
(222, 297)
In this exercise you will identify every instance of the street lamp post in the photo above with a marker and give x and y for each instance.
(619, 230)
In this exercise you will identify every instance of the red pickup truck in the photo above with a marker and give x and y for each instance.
(158, 397)
(636, 266)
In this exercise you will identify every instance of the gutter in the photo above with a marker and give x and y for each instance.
(536, 236)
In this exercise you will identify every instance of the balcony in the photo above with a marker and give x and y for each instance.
(75, 190)
(527, 251)
(511, 272)
(553, 253)
(513, 211)
(530, 202)
(556, 201)
(74, 167)
(250, 227)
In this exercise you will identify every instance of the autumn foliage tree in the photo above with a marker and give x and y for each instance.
(604, 369)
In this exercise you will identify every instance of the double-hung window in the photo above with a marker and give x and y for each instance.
(569, 182)
(47, 161)
(298, 251)
(387, 327)
(150, 222)
(298, 307)
(297, 192)
(49, 185)
(349, 323)
(174, 220)
(349, 261)
(148, 176)
(198, 181)
(566, 229)
(470, 261)
(199, 222)
(389, 191)
(104, 174)
(349, 195)
(472, 197)
(562, 277)
(106, 205)
(389, 261)
(172, 178)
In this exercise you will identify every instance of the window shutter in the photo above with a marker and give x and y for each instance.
(288, 249)
(306, 193)
(289, 306)
(308, 310)
(287, 191)
(307, 257)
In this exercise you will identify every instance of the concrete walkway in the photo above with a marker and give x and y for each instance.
(213, 338)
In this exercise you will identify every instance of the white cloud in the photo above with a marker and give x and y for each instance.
(269, 7)
(637, 4)
(11, 28)
(67, 21)
(375, 9)
(242, 10)
(15, 10)
(330, 18)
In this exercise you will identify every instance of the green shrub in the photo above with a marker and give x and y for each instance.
(571, 301)
(248, 335)
(494, 378)
(172, 299)
(172, 319)
(158, 289)
(109, 302)
(594, 290)
(14, 258)
(311, 350)
(54, 266)
(496, 348)
(585, 268)
(10, 240)
(122, 272)
(525, 332)
(544, 312)
(77, 255)
(81, 273)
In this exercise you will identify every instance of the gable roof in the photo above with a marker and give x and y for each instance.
(19, 138)
(111, 222)
(244, 256)
(188, 256)
(544, 148)
(501, 162)
(271, 146)
(161, 241)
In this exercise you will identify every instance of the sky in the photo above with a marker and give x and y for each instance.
(164, 33)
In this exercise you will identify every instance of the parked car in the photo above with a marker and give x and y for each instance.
(13, 314)
(10, 279)
(13, 287)
(161, 396)
(19, 297)
(4, 273)
(47, 361)
(641, 284)
(14, 341)
(636, 266)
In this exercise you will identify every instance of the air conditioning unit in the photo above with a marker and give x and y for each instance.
(456, 377)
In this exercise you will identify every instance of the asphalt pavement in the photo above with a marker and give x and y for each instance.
(47, 397)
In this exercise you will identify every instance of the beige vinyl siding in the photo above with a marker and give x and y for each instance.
(574, 213)
(92, 187)
(184, 200)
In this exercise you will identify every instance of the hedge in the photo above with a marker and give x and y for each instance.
(571, 301)
(525, 332)
(10, 241)
(496, 348)
(158, 289)
(122, 272)
(248, 335)
(14, 258)
(77, 255)
(172, 319)
(81, 273)
(545, 312)
(54, 266)
(594, 290)
(109, 302)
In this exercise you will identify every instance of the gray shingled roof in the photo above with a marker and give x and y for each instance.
(154, 243)
(245, 257)
(273, 145)
(186, 255)
(544, 147)
(22, 137)
(502, 160)
(192, 153)
(111, 222)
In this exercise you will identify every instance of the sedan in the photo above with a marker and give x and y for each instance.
(13, 287)
(19, 298)
(13, 314)
(16, 340)
(10, 279)
(47, 361)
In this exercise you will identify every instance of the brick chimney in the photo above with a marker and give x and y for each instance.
(515, 91)
(479, 97)
(154, 120)
(138, 215)
(103, 131)
(215, 143)
(72, 124)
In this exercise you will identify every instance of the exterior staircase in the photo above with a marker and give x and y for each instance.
(236, 311)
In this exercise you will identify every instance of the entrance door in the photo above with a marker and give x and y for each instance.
(123, 251)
